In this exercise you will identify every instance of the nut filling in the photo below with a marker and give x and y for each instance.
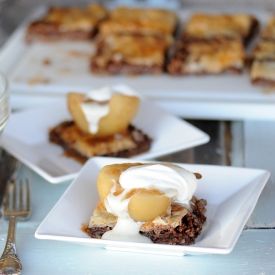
(189, 228)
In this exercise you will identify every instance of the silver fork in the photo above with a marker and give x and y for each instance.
(17, 205)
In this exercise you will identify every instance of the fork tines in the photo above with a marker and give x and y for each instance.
(17, 203)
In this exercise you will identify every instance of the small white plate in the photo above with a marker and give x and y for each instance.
(231, 194)
(26, 137)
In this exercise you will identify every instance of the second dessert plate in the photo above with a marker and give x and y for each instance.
(26, 137)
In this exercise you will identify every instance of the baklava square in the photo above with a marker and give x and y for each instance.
(262, 63)
(66, 23)
(264, 50)
(130, 54)
(208, 26)
(262, 72)
(124, 20)
(268, 32)
(213, 56)
(82, 146)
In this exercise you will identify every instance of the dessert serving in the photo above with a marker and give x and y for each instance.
(268, 33)
(67, 23)
(134, 41)
(213, 44)
(262, 69)
(203, 57)
(147, 202)
(262, 59)
(101, 125)
(130, 54)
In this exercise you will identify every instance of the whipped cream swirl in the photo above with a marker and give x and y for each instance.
(96, 105)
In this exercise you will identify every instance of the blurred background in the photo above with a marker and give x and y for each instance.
(12, 12)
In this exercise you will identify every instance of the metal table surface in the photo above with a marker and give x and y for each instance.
(234, 143)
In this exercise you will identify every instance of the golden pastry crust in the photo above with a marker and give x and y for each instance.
(101, 217)
(181, 226)
(208, 57)
(264, 50)
(139, 21)
(207, 26)
(72, 18)
(263, 72)
(82, 146)
(268, 32)
(72, 23)
(130, 54)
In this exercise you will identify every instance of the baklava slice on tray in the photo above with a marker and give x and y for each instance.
(268, 32)
(66, 23)
(129, 54)
(134, 41)
(262, 60)
(212, 44)
(213, 56)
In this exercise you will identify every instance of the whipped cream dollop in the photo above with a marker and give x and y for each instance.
(175, 182)
(96, 105)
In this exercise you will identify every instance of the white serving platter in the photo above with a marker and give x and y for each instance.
(231, 195)
(26, 136)
(40, 73)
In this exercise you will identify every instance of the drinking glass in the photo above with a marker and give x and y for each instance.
(6, 162)
(4, 103)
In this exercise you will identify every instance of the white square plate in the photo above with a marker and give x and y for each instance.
(231, 194)
(26, 137)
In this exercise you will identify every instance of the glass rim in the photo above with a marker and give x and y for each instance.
(4, 79)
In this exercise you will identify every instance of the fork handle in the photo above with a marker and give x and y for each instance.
(9, 261)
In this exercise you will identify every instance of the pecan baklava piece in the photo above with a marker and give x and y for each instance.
(262, 63)
(130, 54)
(134, 41)
(67, 23)
(262, 60)
(268, 32)
(213, 56)
(208, 26)
(264, 50)
(263, 73)
(123, 20)
(82, 146)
